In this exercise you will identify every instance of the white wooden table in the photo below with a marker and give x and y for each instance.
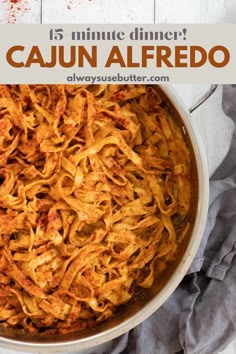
(213, 125)
(121, 11)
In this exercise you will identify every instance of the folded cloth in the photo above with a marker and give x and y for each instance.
(200, 316)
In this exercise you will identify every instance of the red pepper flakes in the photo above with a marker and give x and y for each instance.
(71, 2)
(14, 10)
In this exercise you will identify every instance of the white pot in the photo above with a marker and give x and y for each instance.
(11, 340)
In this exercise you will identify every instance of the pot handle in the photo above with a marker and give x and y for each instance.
(203, 98)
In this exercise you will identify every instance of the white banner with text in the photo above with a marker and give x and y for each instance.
(95, 54)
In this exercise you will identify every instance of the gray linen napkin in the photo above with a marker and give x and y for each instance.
(200, 316)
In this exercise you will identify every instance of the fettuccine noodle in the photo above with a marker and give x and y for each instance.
(95, 196)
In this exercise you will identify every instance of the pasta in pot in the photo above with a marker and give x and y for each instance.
(95, 196)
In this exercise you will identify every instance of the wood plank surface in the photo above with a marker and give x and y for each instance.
(98, 11)
(118, 11)
(24, 11)
(191, 11)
